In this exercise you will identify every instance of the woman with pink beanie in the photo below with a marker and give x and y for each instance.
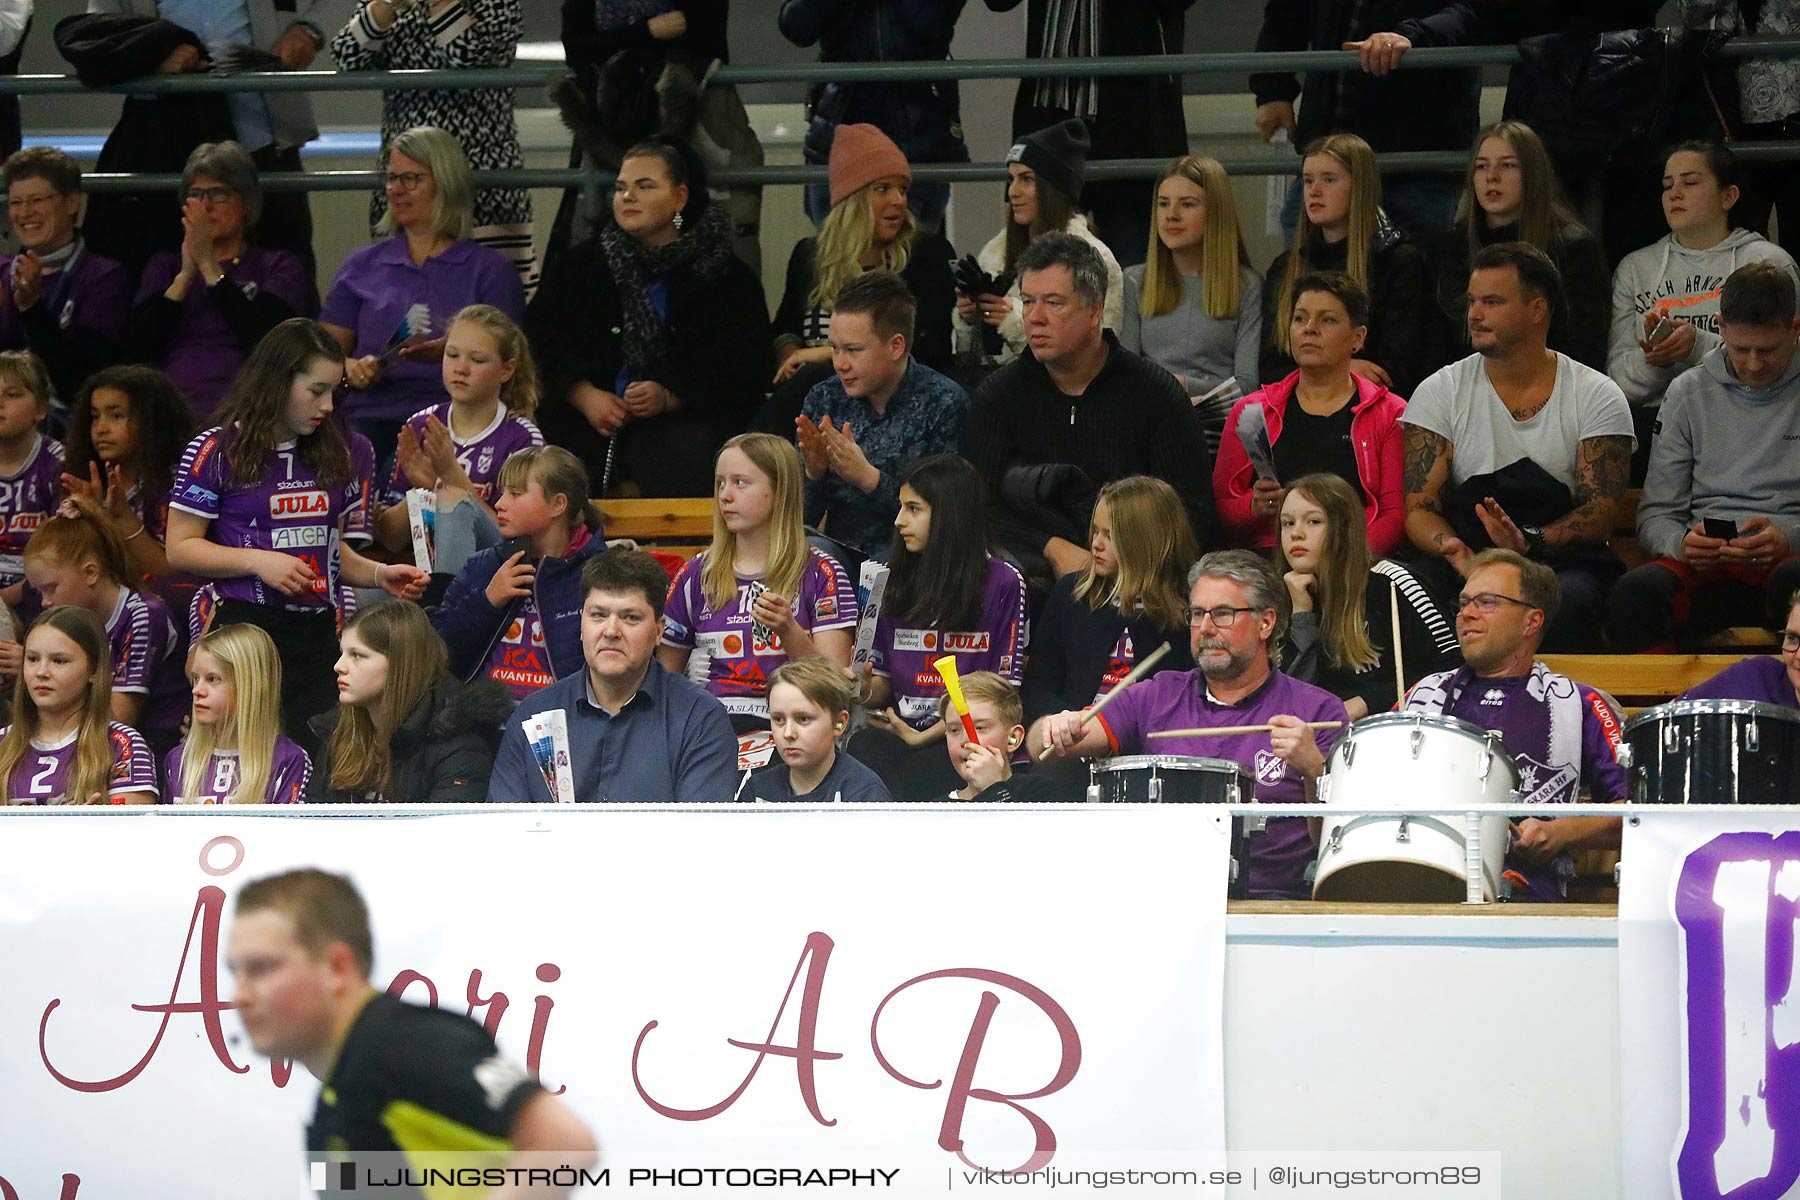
(869, 227)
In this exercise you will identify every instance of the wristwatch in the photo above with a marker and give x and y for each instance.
(1534, 541)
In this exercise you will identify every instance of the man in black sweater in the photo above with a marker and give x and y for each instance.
(1050, 429)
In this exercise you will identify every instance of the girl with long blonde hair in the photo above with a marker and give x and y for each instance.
(404, 731)
(1341, 634)
(1342, 228)
(62, 746)
(1133, 595)
(458, 446)
(1194, 305)
(758, 596)
(234, 752)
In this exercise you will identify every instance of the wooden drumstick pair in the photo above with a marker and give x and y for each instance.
(1137, 673)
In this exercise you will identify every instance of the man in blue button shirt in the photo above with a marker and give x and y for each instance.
(637, 733)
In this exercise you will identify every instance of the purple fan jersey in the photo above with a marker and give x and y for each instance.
(359, 520)
(42, 774)
(480, 456)
(26, 498)
(905, 654)
(731, 660)
(289, 772)
(287, 511)
(146, 660)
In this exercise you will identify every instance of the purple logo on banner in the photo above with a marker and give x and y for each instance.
(1738, 903)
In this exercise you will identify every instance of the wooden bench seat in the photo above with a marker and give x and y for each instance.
(681, 525)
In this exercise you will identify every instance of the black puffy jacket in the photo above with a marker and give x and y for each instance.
(443, 751)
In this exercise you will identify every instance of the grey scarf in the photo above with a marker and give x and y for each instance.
(1071, 30)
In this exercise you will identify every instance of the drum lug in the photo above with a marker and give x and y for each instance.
(1671, 737)
(1401, 835)
(1487, 761)
(1337, 840)
(1155, 789)
(1418, 742)
(1752, 740)
(1625, 755)
(1348, 747)
(1233, 793)
(1093, 793)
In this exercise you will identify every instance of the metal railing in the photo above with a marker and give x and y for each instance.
(530, 75)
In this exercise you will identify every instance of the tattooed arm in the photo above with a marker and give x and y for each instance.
(1602, 468)
(1425, 471)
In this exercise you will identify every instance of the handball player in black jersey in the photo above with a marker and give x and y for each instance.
(395, 1077)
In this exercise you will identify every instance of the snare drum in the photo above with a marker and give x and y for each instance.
(1177, 779)
(1713, 752)
(1381, 763)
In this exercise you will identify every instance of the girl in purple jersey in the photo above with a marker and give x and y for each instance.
(125, 436)
(946, 595)
(457, 447)
(60, 747)
(259, 507)
(77, 558)
(30, 464)
(758, 596)
(234, 752)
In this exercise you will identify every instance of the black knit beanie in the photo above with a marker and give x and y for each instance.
(1058, 155)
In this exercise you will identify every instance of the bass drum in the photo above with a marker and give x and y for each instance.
(1713, 752)
(1382, 763)
(1178, 779)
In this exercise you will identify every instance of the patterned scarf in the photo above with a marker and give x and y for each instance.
(703, 248)
(1071, 30)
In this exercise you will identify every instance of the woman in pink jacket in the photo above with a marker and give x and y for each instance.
(1321, 418)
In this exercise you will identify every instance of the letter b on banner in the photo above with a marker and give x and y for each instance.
(1738, 904)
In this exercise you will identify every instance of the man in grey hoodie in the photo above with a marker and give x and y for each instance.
(1727, 448)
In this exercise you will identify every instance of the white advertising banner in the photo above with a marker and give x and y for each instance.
(1709, 1005)
(937, 992)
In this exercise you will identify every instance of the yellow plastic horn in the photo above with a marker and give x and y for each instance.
(946, 667)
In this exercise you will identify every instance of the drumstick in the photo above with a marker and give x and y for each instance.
(1399, 670)
(1222, 729)
(946, 667)
(1137, 673)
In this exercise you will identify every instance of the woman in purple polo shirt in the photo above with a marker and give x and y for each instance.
(424, 273)
(201, 311)
(1769, 678)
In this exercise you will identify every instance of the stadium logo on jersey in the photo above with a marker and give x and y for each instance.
(486, 462)
(1269, 767)
(297, 539)
(916, 639)
(298, 506)
(968, 643)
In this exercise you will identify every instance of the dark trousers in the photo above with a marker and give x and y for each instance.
(306, 643)
(912, 774)
(286, 221)
(1653, 605)
(1585, 584)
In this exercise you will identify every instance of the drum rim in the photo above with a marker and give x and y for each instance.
(1177, 762)
(1425, 720)
(1712, 707)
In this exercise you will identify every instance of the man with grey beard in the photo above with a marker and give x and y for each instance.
(1238, 610)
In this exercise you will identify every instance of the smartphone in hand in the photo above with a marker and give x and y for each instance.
(1719, 527)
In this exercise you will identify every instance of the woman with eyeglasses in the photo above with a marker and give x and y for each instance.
(200, 312)
(391, 303)
(1322, 418)
(1340, 636)
(448, 35)
(1769, 678)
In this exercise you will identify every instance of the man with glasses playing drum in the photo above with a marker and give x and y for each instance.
(1561, 735)
(1239, 608)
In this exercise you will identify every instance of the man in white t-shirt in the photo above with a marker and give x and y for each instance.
(1519, 447)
